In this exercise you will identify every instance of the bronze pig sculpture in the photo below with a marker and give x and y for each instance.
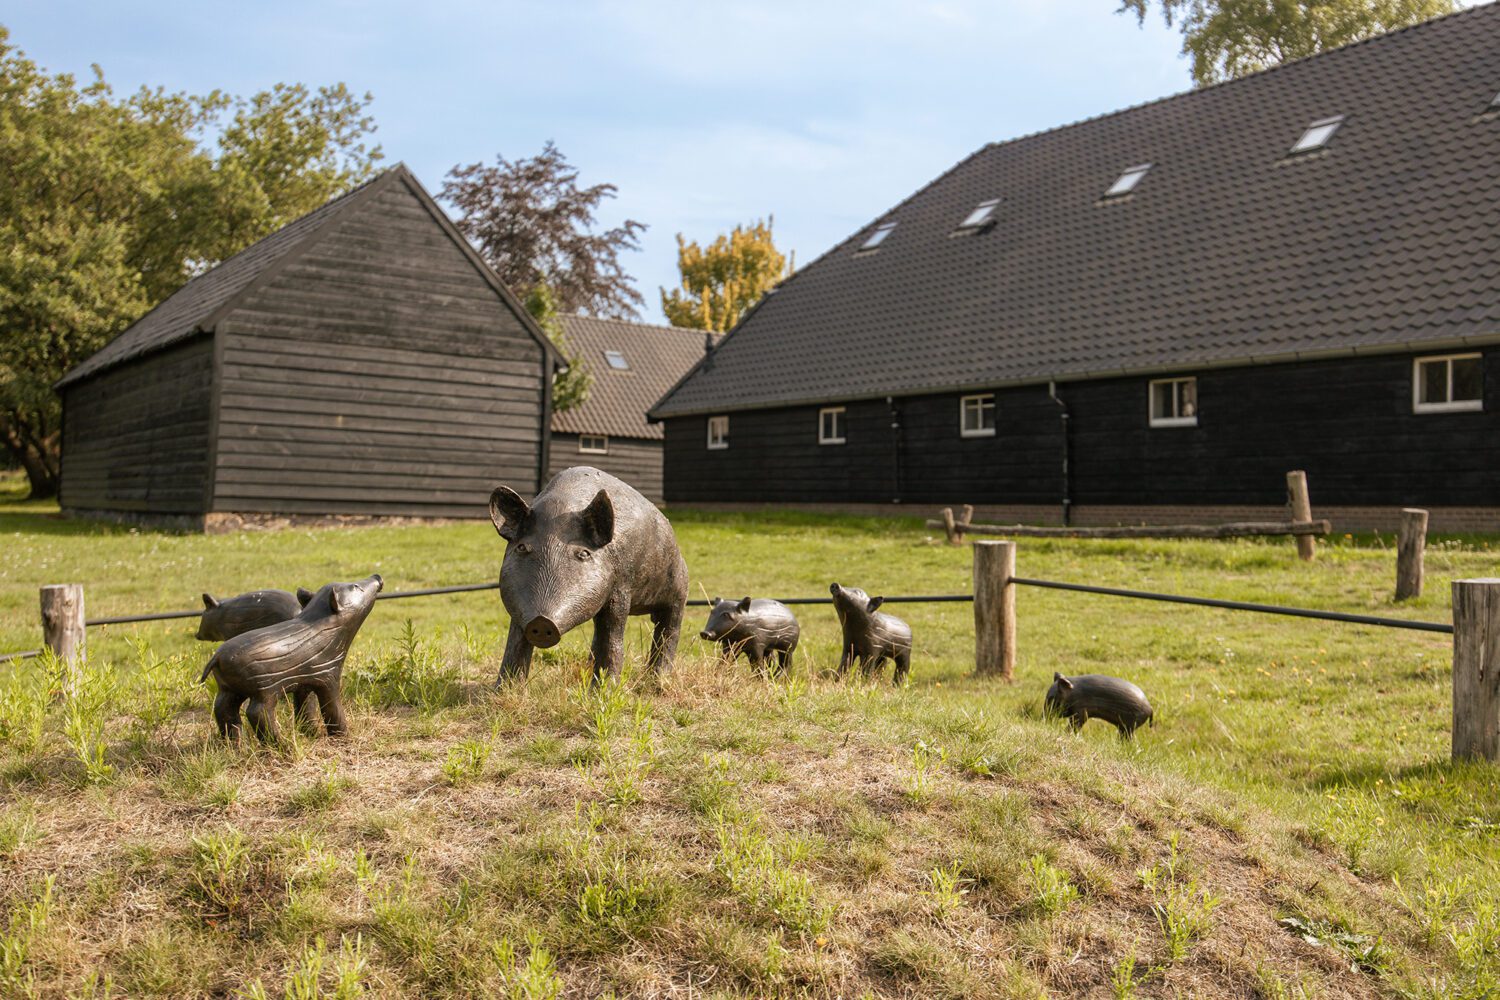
(237, 615)
(756, 628)
(1095, 696)
(304, 656)
(870, 637)
(588, 547)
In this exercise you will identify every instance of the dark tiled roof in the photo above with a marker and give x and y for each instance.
(618, 400)
(1229, 251)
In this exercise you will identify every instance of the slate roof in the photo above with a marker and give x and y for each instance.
(1229, 251)
(196, 306)
(618, 400)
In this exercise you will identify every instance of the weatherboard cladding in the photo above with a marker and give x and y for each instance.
(618, 400)
(1230, 251)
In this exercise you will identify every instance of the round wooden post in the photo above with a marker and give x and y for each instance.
(995, 609)
(63, 630)
(1476, 669)
(950, 527)
(1411, 544)
(1300, 504)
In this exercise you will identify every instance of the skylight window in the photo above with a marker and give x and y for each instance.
(982, 213)
(617, 361)
(1128, 180)
(1495, 103)
(878, 236)
(1318, 134)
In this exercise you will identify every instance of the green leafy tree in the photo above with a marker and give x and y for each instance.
(723, 280)
(569, 388)
(1229, 38)
(110, 204)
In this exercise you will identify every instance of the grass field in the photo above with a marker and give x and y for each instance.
(1290, 827)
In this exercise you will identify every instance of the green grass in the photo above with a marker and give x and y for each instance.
(803, 836)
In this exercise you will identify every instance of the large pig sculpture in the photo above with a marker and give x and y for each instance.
(588, 547)
(304, 656)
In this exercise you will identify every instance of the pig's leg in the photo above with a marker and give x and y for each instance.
(517, 659)
(331, 701)
(726, 650)
(609, 639)
(846, 661)
(306, 702)
(903, 664)
(757, 654)
(262, 716)
(668, 622)
(227, 713)
(784, 659)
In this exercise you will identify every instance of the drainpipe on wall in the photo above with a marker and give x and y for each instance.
(895, 448)
(1067, 473)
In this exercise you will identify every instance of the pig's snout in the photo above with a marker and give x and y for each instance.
(542, 632)
(705, 634)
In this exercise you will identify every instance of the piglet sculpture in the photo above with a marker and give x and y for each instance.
(757, 628)
(304, 656)
(588, 547)
(236, 615)
(870, 637)
(1095, 696)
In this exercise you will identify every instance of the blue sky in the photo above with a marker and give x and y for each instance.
(704, 113)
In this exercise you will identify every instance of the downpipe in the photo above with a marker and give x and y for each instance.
(1067, 472)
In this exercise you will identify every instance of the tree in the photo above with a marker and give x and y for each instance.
(569, 388)
(533, 225)
(1229, 38)
(112, 204)
(721, 282)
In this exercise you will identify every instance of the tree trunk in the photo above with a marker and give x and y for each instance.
(41, 460)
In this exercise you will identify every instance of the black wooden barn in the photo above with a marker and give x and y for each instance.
(361, 361)
(632, 365)
(1153, 315)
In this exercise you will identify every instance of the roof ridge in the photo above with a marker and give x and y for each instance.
(667, 327)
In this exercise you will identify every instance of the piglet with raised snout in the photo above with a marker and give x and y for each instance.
(588, 547)
(756, 627)
(237, 615)
(1095, 696)
(304, 656)
(870, 637)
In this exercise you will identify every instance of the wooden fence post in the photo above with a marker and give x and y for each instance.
(950, 527)
(995, 609)
(1476, 669)
(1301, 507)
(1411, 543)
(63, 631)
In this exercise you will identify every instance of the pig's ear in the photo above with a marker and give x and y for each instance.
(333, 600)
(599, 520)
(875, 602)
(509, 512)
(1062, 682)
(745, 604)
(303, 596)
(210, 602)
(713, 602)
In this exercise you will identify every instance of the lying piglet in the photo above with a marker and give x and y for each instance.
(304, 656)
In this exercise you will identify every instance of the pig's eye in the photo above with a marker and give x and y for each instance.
(582, 555)
(523, 549)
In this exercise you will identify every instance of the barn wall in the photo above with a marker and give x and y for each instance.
(636, 461)
(379, 373)
(1348, 422)
(135, 438)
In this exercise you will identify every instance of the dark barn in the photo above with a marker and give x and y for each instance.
(361, 361)
(632, 365)
(1153, 315)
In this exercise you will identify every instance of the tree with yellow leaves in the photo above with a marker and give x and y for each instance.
(723, 280)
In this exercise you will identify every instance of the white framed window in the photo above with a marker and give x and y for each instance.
(593, 444)
(718, 432)
(1447, 384)
(1127, 181)
(616, 360)
(877, 236)
(982, 214)
(831, 425)
(976, 416)
(1174, 402)
(1318, 134)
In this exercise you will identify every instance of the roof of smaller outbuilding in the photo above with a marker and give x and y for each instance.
(618, 398)
(198, 305)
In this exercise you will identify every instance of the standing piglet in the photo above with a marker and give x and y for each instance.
(236, 615)
(304, 656)
(870, 637)
(1095, 696)
(755, 627)
(588, 547)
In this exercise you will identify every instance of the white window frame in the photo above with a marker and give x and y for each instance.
(876, 237)
(1304, 143)
(1450, 405)
(718, 432)
(837, 412)
(1156, 421)
(609, 359)
(984, 401)
(594, 449)
(1129, 179)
